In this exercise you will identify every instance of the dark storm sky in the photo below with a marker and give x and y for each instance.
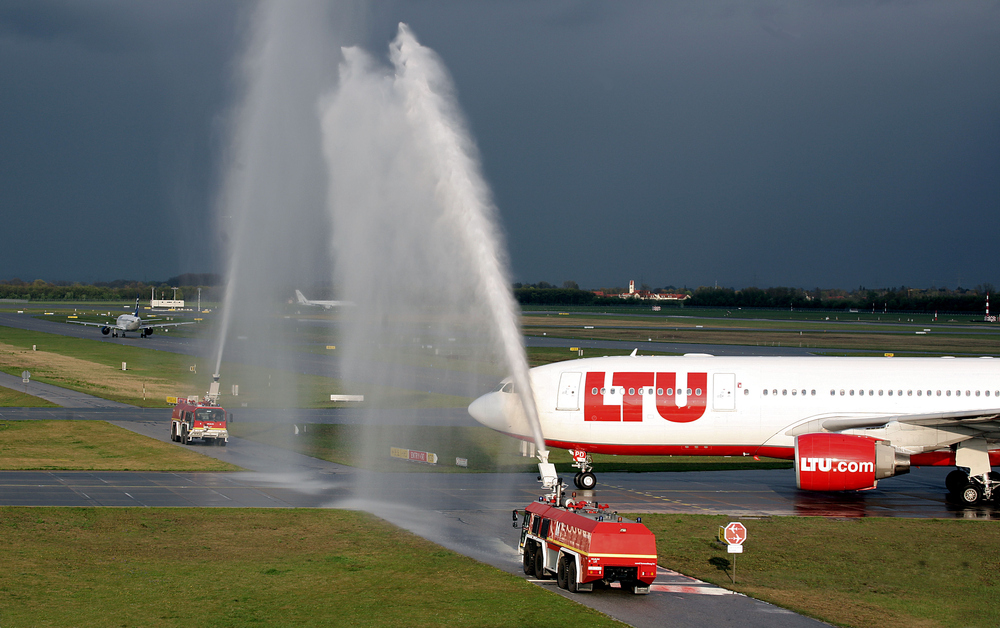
(830, 144)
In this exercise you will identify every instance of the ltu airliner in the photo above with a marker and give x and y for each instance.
(130, 322)
(846, 422)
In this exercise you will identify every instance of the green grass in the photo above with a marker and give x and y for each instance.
(485, 450)
(857, 572)
(10, 398)
(251, 567)
(177, 374)
(94, 446)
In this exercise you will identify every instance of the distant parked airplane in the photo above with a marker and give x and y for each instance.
(302, 300)
(129, 322)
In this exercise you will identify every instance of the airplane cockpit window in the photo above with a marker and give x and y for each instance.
(506, 387)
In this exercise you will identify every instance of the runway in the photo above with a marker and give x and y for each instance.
(470, 512)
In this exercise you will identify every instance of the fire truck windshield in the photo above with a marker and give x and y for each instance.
(210, 414)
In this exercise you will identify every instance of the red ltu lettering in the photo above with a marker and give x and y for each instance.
(632, 384)
(594, 408)
(666, 404)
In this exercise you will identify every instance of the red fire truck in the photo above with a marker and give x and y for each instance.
(582, 543)
(198, 419)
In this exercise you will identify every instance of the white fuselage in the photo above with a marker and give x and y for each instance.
(699, 404)
(128, 322)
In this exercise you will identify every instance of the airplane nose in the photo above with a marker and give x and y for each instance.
(488, 410)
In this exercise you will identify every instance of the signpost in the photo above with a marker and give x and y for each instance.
(733, 535)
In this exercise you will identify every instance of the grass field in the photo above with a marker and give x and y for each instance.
(10, 398)
(93, 446)
(484, 449)
(250, 567)
(857, 572)
(95, 368)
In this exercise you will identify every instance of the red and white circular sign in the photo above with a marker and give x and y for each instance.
(735, 533)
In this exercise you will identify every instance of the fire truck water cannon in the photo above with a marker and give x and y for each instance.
(583, 545)
(212, 396)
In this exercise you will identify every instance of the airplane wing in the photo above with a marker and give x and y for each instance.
(145, 326)
(108, 325)
(989, 419)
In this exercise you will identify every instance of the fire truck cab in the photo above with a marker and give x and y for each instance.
(582, 543)
(198, 419)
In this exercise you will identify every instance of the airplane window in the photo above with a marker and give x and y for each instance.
(833, 392)
(604, 390)
(688, 392)
(920, 392)
(939, 393)
(861, 393)
(813, 392)
(841, 392)
(746, 391)
(947, 393)
(765, 392)
(871, 393)
(977, 393)
(794, 392)
(659, 391)
(670, 392)
(929, 393)
(784, 391)
(631, 391)
(697, 392)
(642, 391)
(909, 393)
(987, 393)
(593, 391)
(774, 391)
(852, 392)
(890, 393)
(899, 392)
(967, 394)
(880, 393)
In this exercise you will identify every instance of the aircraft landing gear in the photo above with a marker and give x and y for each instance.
(584, 479)
(970, 490)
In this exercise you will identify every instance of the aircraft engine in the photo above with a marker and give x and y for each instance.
(149, 332)
(105, 330)
(842, 462)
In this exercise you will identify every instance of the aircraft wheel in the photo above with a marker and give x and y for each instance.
(571, 576)
(540, 564)
(576, 480)
(587, 481)
(561, 572)
(956, 480)
(970, 495)
(528, 560)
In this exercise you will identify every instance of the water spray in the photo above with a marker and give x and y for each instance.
(466, 202)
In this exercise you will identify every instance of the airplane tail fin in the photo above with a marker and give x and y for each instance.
(136, 313)
(302, 300)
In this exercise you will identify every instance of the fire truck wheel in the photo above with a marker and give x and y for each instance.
(184, 434)
(571, 576)
(587, 481)
(540, 565)
(528, 559)
(561, 572)
(223, 443)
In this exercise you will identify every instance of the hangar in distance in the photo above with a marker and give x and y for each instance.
(846, 422)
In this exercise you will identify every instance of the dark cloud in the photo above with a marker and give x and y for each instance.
(776, 143)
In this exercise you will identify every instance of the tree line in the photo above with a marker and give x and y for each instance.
(118, 290)
(899, 299)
